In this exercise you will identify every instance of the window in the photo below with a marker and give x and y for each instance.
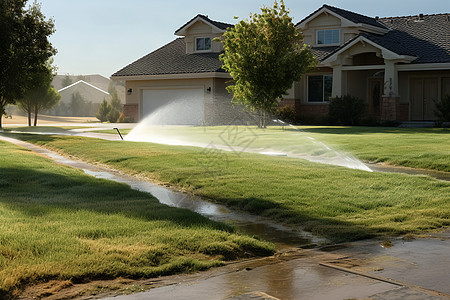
(203, 44)
(319, 88)
(328, 37)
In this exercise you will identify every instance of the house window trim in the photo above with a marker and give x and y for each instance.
(327, 45)
(203, 37)
(324, 101)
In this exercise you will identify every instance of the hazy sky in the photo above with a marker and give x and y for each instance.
(102, 36)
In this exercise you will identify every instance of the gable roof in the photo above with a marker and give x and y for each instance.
(427, 38)
(172, 59)
(348, 15)
(84, 83)
(219, 26)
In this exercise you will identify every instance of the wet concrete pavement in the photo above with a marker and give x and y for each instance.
(416, 269)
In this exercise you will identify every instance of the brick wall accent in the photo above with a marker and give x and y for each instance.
(132, 111)
(391, 109)
(312, 109)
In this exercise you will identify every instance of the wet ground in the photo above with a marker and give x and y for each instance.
(415, 269)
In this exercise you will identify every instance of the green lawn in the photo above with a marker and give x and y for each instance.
(58, 223)
(427, 148)
(335, 202)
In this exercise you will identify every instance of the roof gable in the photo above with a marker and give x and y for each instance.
(348, 18)
(81, 82)
(217, 27)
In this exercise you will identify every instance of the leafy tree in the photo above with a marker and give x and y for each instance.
(66, 81)
(39, 95)
(24, 47)
(103, 111)
(264, 56)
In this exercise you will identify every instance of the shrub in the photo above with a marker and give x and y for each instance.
(346, 110)
(103, 111)
(113, 115)
(442, 110)
(285, 113)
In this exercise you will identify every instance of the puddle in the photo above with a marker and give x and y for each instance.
(281, 236)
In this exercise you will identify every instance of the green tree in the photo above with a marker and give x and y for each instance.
(115, 101)
(113, 115)
(38, 94)
(264, 56)
(103, 111)
(24, 47)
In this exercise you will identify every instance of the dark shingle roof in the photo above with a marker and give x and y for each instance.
(322, 52)
(349, 15)
(427, 38)
(172, 59)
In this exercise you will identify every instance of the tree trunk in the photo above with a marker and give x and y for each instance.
(35, 118)
(29, 117)
(1, 117)
(36, 111)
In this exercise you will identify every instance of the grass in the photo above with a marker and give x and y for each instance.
(427, 148)
(338, 203)
(58, 223)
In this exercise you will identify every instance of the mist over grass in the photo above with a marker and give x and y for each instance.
(427, 148)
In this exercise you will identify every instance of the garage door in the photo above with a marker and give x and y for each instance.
(174, 106)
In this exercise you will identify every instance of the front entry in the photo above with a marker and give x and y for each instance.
(424, 93)
(375, 94)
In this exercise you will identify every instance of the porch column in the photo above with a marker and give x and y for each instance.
(391, 99)
(336, 90)
(390, 79)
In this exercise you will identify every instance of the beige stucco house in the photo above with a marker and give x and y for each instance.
(399, 66)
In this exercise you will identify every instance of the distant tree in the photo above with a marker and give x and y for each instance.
(81, 77)
(24, 47)
(264, 56)
(66, 81)
(103, 111)
(115, 101)
(77, 105)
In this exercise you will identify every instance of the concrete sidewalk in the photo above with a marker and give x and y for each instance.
(415, 269)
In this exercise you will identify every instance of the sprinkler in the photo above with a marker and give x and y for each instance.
(118, 132)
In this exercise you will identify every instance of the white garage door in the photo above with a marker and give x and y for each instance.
(174, 106)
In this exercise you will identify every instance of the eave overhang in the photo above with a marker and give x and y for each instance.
(385, 53)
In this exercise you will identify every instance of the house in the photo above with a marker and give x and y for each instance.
(399, 66)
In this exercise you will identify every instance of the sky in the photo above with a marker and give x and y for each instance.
(103, 36)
